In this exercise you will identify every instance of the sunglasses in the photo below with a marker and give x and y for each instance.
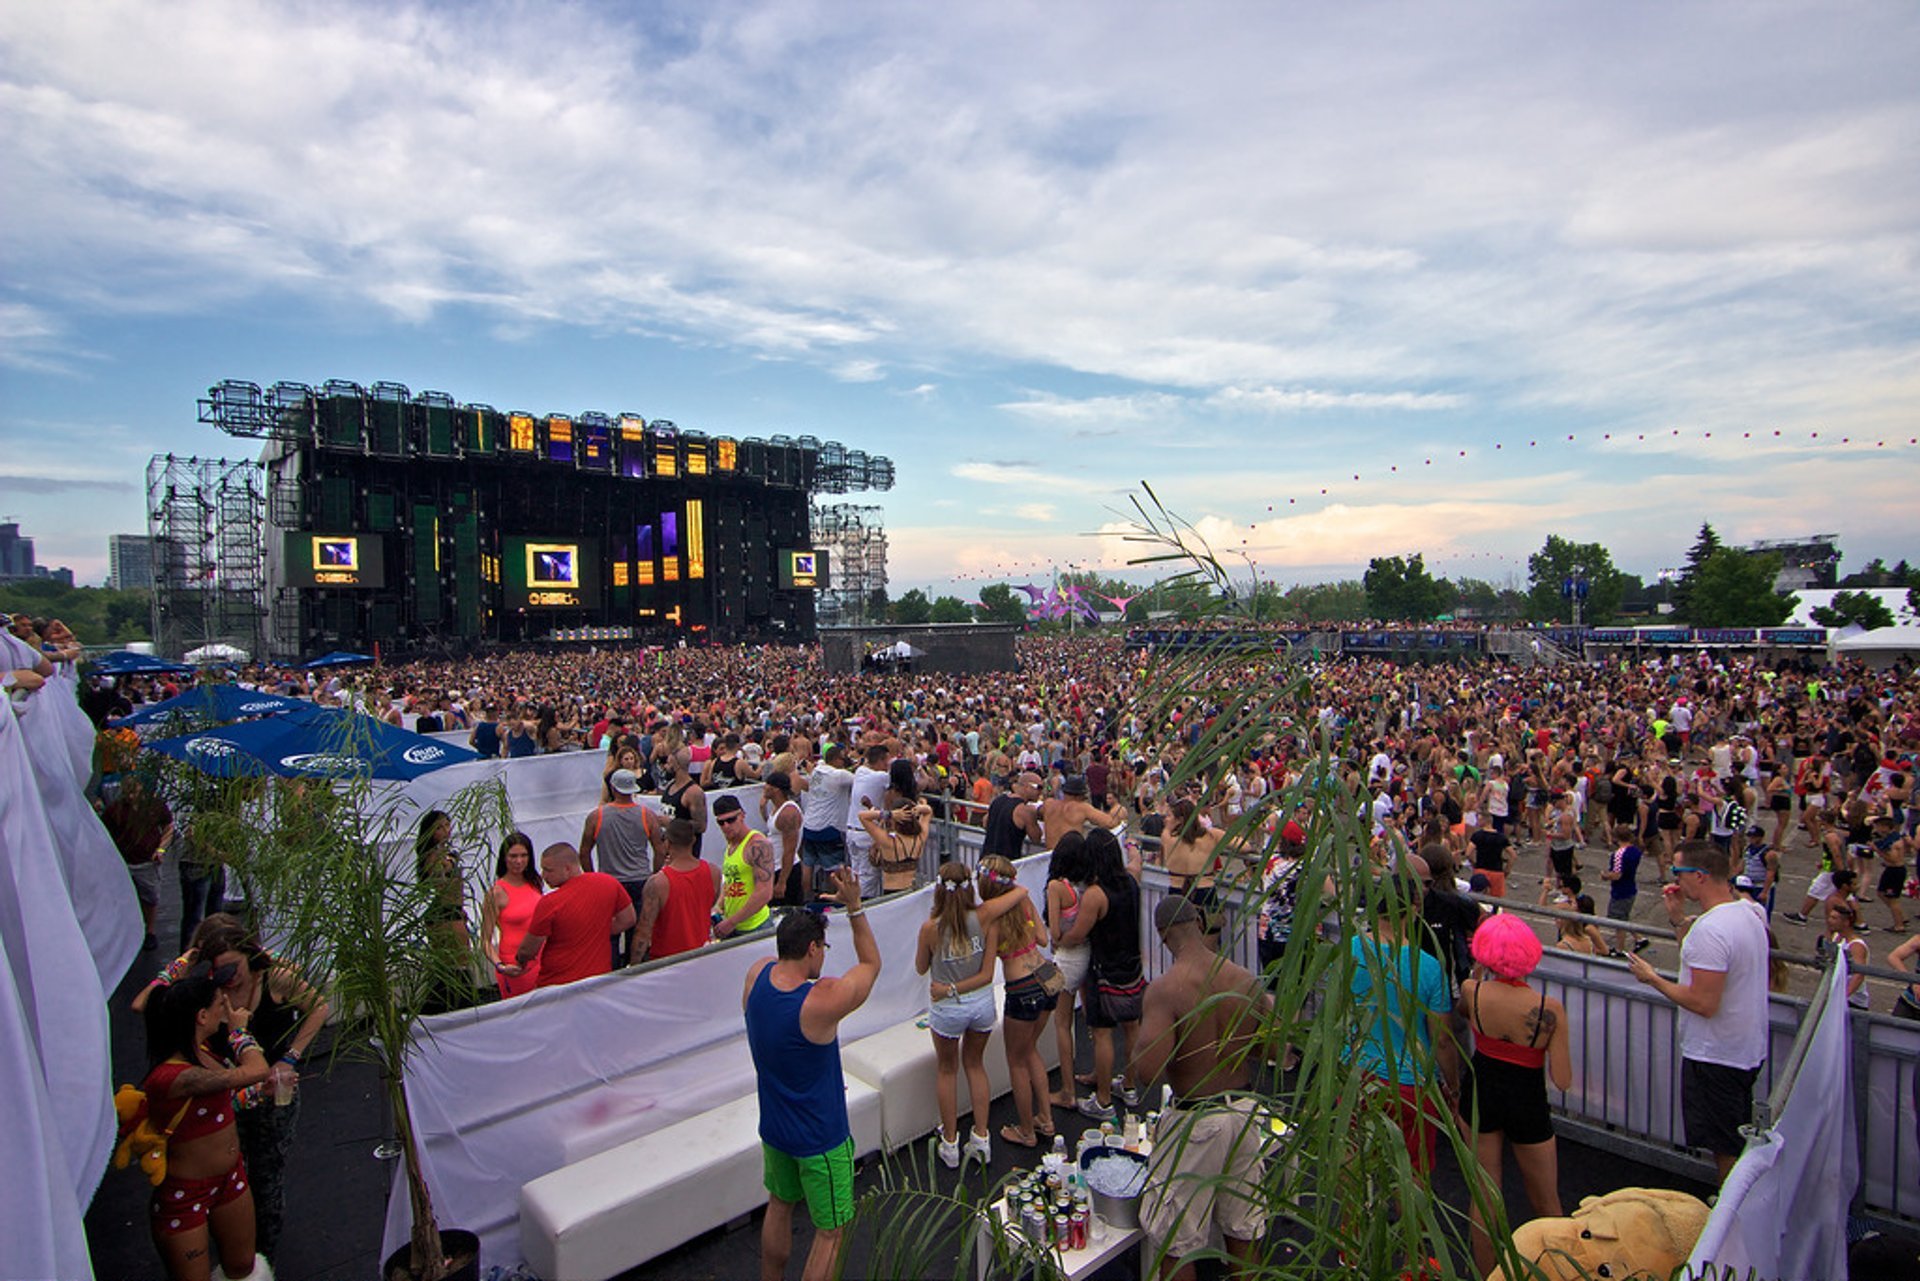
(1679, 868)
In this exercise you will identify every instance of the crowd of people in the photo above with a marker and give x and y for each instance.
(1716, 777)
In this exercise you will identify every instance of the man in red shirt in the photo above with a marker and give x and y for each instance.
(676, 907)
(570, 927)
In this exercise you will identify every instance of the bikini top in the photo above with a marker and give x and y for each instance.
(1526, 1056)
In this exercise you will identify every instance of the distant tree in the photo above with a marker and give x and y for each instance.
(97, 615)
(1402, 589)
(1735, 589)
(1339, 602)
(1548, 570)
(1479, 596)
(950, 609)
(1848, 608)
(1704, 546)
(998, 604)
(1872, 574)
(913, 607)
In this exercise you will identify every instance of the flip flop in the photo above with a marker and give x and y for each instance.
(1011, 1134)
(1084, 1078)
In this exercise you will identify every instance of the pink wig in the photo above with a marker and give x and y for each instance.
(1507, 945)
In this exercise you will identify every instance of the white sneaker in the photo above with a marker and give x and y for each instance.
(1128, 1096)
(980, 1148)
(949, 1153)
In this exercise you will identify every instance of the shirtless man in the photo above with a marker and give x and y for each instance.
(1070, 812)
(1199, 1024)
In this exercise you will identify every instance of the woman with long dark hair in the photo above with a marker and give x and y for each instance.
(1109, 920)
(957, 952)
(507, 911)
(205, 1203)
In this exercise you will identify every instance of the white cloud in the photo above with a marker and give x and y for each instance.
(1288, 399)
(1036, 511)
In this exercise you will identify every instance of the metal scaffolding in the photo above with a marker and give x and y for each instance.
(856, 547)
(206, 519)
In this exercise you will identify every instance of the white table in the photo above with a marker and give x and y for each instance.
(1105, 1243)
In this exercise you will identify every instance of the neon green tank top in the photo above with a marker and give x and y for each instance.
(736, 886)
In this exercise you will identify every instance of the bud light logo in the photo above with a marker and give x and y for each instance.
(322, 763)
(256, 709)
(211, 749)
(425, 755)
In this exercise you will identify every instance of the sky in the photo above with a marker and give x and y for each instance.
(1336, 281)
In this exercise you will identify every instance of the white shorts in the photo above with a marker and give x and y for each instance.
(1821, 888)
(1073, 963)
(952, 1017)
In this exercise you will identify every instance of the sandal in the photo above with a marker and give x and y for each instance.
(1084, 1078)
(1043, 1133)
(1013, 1134)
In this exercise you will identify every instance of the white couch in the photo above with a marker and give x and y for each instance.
(600, 1216)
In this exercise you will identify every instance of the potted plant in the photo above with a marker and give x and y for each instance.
(343, 890)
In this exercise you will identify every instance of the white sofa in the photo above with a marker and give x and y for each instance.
(600, 1216)
(899, 1064)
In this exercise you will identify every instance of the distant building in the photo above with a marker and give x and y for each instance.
(130, 562)
(17, 563)
(1810, 562)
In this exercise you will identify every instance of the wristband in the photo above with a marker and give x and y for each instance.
(291, 1058)
(176, 970)
(241, 1042)
(858, 911)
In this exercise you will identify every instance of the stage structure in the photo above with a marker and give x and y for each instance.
(209, 564)
(856, 544)
(423, 525)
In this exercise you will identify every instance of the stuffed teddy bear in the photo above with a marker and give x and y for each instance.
(139, 1137)
(1634, 1232)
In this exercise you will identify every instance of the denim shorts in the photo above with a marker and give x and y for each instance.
(951, 1017)
(823, 850)
(1027, 1001)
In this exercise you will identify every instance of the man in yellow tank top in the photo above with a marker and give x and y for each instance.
(746, 875)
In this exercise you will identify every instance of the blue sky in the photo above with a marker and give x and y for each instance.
(1035, 254)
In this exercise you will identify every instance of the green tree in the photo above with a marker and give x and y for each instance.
(876, 606)
(1402, 589)
(1558, 560)
(950, 609)
(1872, 574)
(1735, 589)
(1704, 546)
(1847, 608)
(1339, 602)
(998, 604)
(912, 608)
(97, 615)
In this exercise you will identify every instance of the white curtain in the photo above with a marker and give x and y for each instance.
(1782, 1213)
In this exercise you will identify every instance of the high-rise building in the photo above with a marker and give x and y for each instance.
(130, 562)
(16, 559)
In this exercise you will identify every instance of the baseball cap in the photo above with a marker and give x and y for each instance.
(726, 805)
(623, 781)
(1176, 909)
(1745, 885)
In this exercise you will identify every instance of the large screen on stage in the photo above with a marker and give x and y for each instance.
(336, 560)
(550, 573)
(802, 568)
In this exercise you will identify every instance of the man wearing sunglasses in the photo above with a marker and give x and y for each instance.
(1722, 995)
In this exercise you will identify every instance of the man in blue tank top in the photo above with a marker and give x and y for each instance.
(793, 1025)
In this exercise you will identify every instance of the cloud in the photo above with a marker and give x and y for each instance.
(1097, 410)
(1036, 511)
(44, 484)
(1278, 399)
(859, 371)
(1016, 476)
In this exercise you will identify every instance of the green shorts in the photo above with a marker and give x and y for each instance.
(824, 1182)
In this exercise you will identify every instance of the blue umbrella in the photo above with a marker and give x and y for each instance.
(220, 703)
(123, 662)
(328, 744)
(339, 658)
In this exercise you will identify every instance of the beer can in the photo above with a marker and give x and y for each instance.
(1062, 1232)
(1035, 1225)
(1077, 1227)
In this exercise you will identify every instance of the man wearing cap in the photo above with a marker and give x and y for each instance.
(628, 839)
(1199, 1025)
(1071, 811)
(746, 873)
(793, 1020)
(1722, 995)
(783, 818)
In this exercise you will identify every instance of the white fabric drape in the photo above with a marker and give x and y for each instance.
(1783, 1210)
(504, 1094)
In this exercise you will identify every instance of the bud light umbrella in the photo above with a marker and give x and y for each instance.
(209, 704)
(331, 743)
(124, 662)
(339, 658)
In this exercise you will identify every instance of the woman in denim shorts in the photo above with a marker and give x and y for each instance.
(957, 953)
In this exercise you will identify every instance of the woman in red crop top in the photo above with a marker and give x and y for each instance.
(1517, 1032)
(205, 1199)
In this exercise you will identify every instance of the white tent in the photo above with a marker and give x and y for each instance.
(218, 652)
(1881, 646)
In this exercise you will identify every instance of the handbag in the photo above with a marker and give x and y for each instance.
(1051, 980)
(139, 1141)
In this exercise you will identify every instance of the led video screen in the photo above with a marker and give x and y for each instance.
(802, 568)
(336, 560)
(550, 573)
